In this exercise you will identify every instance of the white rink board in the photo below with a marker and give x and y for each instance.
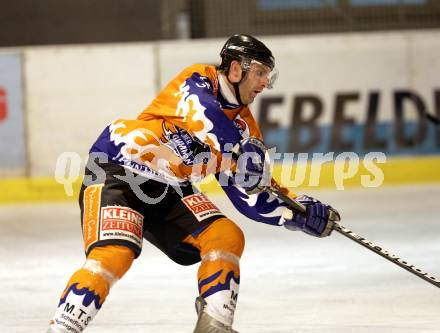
(73, 92)
(175, 56)
(333, 63)
(290, 282)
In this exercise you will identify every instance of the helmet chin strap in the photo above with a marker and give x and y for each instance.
(237, 91)
(236, 86)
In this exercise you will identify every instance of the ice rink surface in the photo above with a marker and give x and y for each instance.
(290, 282)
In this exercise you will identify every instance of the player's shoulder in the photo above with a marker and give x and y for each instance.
(206, 70)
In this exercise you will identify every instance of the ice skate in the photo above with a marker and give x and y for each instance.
(206, 323)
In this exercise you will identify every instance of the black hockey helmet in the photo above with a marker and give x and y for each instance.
(246, 49)
(239, 47)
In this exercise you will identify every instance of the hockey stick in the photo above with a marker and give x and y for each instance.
(358, 239)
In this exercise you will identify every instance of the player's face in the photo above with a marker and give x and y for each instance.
(255, 81)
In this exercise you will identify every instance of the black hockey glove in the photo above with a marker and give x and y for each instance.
(318, 220)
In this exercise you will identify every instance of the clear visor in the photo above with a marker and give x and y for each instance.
(261, 71)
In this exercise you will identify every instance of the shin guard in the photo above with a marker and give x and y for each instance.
(221, 245)
(88, 288)
(219, 281)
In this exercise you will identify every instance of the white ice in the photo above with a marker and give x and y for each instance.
(290, 282)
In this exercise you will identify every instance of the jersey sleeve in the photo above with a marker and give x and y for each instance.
(261, 207)
(203, 115)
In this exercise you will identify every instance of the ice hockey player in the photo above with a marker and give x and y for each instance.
(138, 185)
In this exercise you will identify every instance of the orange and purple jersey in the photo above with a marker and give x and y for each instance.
(186, 128)
(185, 134)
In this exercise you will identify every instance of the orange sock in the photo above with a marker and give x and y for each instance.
(221, 246)
(88, 287)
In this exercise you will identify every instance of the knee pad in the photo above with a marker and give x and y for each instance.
(112, 261)
(103, 267)
(224, 236)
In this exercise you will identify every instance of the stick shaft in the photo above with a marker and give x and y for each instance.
(385, 254)
(297, 206)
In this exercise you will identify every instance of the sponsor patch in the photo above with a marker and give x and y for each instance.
(201, 206)
(91, 204)
(76, 309)
(121, 223)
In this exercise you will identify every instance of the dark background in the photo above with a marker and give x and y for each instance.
(40, 22)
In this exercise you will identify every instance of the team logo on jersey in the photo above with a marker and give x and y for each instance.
(201, 206)
(241, 125)
(189, 148)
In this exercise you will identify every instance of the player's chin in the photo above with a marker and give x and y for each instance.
(250, 99)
